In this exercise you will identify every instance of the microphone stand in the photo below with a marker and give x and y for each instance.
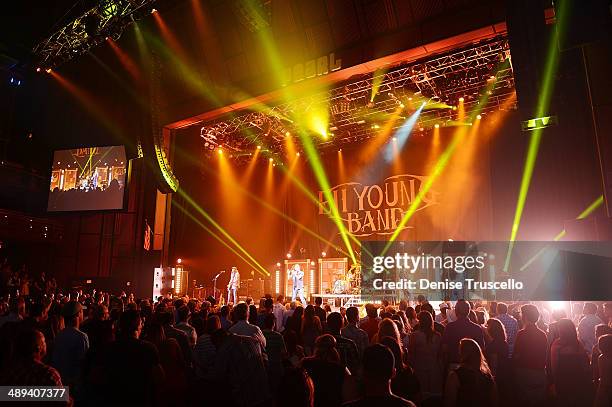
(215, 284)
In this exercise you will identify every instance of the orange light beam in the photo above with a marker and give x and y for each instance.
(126, 61)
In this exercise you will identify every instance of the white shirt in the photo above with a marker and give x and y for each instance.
(244, 328)
(279, 313)
(586, 331)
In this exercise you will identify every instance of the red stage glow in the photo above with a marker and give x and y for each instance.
(126, 61)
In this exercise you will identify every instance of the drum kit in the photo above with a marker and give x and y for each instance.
(347, 283)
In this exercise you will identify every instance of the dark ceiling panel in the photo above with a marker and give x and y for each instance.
(403, 12)
(345, 27)
(376, 16)
(423, 9)
(319, 40)
(311, 11)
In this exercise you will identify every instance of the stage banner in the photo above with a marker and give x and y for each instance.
(472, 270)
(377, 209)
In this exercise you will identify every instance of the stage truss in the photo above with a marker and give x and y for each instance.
(354, 117)
(102, 19)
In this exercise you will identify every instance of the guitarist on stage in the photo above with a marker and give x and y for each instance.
(233, 286)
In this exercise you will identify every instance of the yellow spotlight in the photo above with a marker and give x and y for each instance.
(259, 147)
(287, 134)
(437, 126)
(270, 159)
(278, 264)
(478, 117)
(298, 154)
(220, 151)
(461, 99)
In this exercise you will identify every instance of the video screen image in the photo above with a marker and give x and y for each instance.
(87, 179)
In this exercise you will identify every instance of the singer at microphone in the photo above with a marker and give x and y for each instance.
(232, 286)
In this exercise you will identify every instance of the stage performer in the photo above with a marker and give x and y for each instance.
(233, 286)
(297, 278)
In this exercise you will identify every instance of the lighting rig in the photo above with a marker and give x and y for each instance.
(354, 116)
(105, 19)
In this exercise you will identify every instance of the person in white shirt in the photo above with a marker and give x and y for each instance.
(586, 326)
(233, 286)
(243, 327)
(279, 312)
(297, 278)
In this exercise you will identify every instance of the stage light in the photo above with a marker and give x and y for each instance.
(220, 151)
(394, 138)
(461, 99)
(298, 153)
(437, 126)
(323, 254)
(48, 70)
(478, 117)
(179, 260)
(38, 69)
(278, 264)
(410, 99)
(288, 255)
(270, 159)
(287, 134)
(339, 150)
(402, 105)
(421, 128)
(153, 10)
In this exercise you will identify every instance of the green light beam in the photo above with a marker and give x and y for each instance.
(552, 61)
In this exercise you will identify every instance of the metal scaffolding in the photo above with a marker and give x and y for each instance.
(353, 114)
(107, 18)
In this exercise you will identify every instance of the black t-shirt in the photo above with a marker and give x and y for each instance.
(380, 401)
(328, 378)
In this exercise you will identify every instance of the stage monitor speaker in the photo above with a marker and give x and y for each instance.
(252, 288)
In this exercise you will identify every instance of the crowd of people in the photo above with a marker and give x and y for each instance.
(119, 350)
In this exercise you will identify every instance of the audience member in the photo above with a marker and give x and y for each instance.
(182, 315)
(353, 332)
(70, 344)
(379, 370)
(510, 325)
(586, 327)
(349, 356)
(529, 358)
(243, 327)
(457, 330)
(326, 371)
(471, 384)
(570, 367)
(424, 356)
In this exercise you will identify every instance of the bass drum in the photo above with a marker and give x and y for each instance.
(340, 287)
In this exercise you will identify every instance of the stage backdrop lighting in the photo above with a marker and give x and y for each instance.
(88, 179)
